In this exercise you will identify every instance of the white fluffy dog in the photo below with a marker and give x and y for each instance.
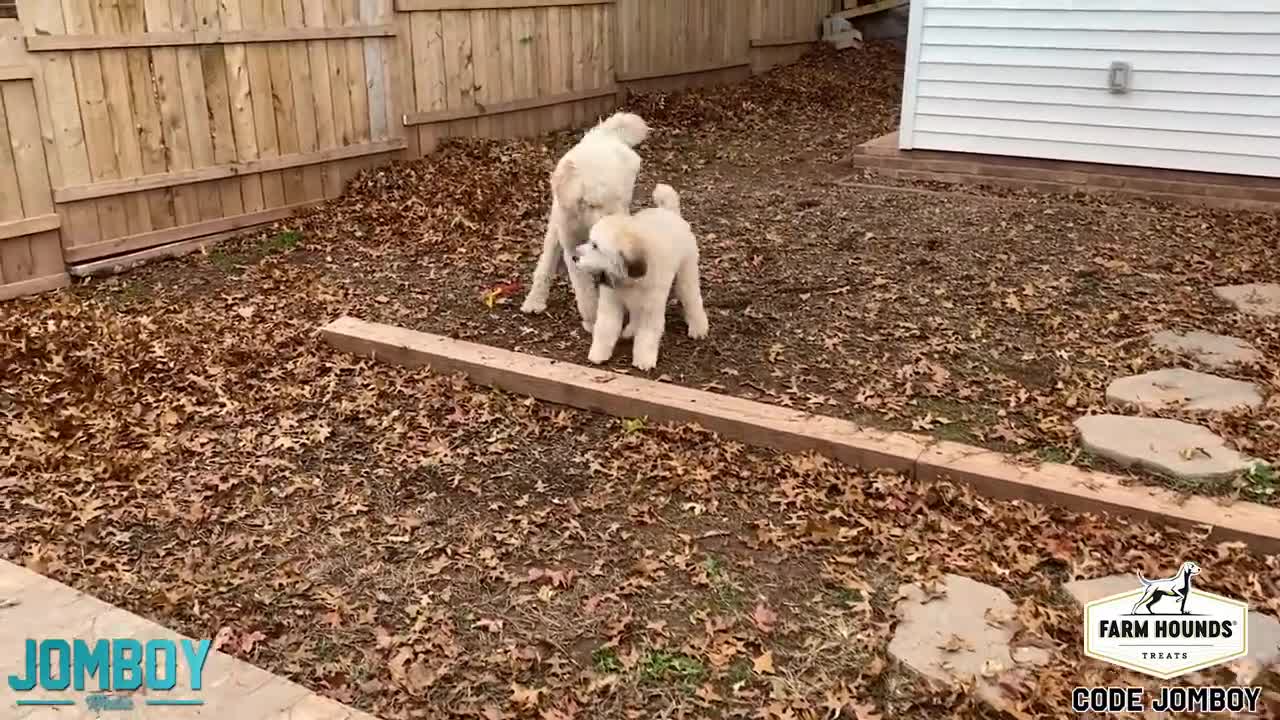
(634, 260)
(595, 178)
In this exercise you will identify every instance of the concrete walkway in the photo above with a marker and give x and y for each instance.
(35, 607)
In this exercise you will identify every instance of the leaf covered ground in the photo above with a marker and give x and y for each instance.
(178, 441)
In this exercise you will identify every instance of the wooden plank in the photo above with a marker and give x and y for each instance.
(509, 107)
(10, 192)
(262, 94)
(15, 72)
(686, 71)
(284, 104)
(116, 246)
(459, 73)
(359, 75)
(874, 7)
(244, 126)
(578, 79)
(79, 193)
(31, 287)
(122, 263)
(195, 104)
(781, 42)
(304, 102)
(416, 5)
(322, 91)
(402, 92)
(16, 263)
(144, 101)
(46, 254)
(557, 68)
(28, 151)
(55, 43)
(796, 431)
(29, 226)
(174, 133)
(213, 66)
(339, 77)
(99, 137)
(428, 73)
(544, 118)
(485, 69)
(124, 126)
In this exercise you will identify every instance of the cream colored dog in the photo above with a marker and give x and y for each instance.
(595, 178)
(634, 260)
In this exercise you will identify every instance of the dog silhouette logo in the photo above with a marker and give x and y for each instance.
(1166, 627)
(1178, 586)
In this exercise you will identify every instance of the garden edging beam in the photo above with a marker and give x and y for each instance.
(988, 472)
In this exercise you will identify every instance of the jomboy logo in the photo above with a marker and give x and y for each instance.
(1166, 627)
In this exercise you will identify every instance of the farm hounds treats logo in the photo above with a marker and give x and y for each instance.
(1166, 628)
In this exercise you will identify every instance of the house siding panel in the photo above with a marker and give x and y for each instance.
(1030, 79)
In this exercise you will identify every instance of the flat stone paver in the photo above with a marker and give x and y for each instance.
(1264, 630)
(1220, 352)
(1253, 299)
(33, 606)
(1171, 447)
(1178, 387)
(949, 638)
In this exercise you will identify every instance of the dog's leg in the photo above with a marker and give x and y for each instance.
(650, 324)
(608, 322)
(540, 287)
(586, 293)
(689, 292)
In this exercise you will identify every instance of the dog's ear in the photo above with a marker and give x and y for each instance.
(561, 176)
(632, 251)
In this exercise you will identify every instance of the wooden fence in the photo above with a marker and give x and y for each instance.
(144, 127)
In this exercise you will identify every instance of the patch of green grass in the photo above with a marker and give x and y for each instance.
(844, 597)
(1053, 455)
(606, 660)
(225, 262)
(282, 242)
(726, 593)
(1261, 481)
(739, 672)
(664, 667)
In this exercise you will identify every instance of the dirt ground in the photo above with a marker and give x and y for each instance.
(178, 441)
(985, 316)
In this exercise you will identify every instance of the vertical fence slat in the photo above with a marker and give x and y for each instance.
(262, 94)
(124, 126)
(146, 113)
(358, 72)
(15, 253)
(195, 107)
(243, 124)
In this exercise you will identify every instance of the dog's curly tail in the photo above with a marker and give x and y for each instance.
(627, 127)
(1143, 580)
(666, 197)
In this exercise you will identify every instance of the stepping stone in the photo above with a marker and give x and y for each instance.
(948, 638)
(1172, 447)
(1192, 390)
(1253, 299)
(1263, 630)
(1217, 351)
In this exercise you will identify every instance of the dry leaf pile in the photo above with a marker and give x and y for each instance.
(179, 442)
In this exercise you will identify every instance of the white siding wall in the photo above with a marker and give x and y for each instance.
(1029, 78)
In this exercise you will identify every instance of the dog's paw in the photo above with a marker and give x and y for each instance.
(644, 362)
(533, 306)
(598, 357)
(699, 329)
